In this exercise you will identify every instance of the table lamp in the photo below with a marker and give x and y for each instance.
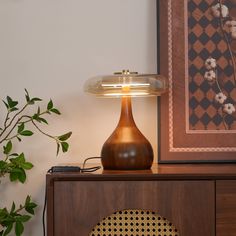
(126, 148)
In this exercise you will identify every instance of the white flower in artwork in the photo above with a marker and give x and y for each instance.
(220, 98)
(231, 28)
(210, 63)
(210, 75)
(229, 108)
(219, 10)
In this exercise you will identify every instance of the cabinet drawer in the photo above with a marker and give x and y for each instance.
(80, 205)
(226, 207)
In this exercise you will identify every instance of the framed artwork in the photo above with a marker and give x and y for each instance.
(197, 53)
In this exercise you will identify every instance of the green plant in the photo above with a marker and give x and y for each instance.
(14, 164)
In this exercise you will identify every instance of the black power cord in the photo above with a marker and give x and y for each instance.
(67, 169)
(87, 159)
(44, 210)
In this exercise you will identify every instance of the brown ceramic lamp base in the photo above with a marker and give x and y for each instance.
(127, 148)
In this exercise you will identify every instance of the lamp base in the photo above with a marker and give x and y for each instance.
(127, 148)
(127, 156)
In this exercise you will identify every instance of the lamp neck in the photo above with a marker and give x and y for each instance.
(126, 116)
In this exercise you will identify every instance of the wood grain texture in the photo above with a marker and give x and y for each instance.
(127, 148)
(157, 172)
(226, 208)
(80, 205)
(174, 191)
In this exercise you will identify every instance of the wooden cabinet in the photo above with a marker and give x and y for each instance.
(226, 207)
(198, 199)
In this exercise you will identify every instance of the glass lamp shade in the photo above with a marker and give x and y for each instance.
(126, 148)
(126, 83)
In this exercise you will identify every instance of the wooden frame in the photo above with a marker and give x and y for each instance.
(196, 52)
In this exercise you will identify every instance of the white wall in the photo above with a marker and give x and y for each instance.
(51, 47)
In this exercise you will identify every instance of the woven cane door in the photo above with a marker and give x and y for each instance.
(134, 223)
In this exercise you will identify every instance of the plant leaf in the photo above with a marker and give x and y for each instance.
(5, 104)
(20, 128)
(23, 218)
(17, 174)
(19, 228)
(33, 100)
(58, 148)
(26, 91)
(56, 111)
(21, 158)
(27, 165)
(64, 146)
(19, 139)
(27, 200)
(8, 229)
(13, 109)
(8, 147)
(30, 207)
(14, 154)
(26, 133)
(21, 176)
(40, 119)
(38, 111)
(13, 176)
(3, 164)
(27, 97)
(64, 137)
(13, 207)
(11, 103)
(50, 105)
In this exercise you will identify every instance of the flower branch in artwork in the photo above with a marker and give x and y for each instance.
(212, 77)
(227, 26)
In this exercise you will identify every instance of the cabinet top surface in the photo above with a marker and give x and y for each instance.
(158, 171)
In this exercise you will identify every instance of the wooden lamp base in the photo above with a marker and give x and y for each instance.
(127, 148)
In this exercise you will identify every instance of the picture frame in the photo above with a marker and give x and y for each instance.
(197, 53)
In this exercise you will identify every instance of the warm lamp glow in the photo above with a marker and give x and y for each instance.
(126, 148)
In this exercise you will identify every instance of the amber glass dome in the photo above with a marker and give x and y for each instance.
(126, 83)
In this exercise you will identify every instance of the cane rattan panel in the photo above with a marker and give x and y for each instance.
(134, 223)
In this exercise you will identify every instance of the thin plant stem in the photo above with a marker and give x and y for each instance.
(48, 135)
(6, 119)
(13, 127)
(217, 82)
(20, 209)
(30, 119)
(12, 120)
(7, 156)
(223, 117)
(8, 139)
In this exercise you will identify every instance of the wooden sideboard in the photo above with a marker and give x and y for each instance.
(200, 200)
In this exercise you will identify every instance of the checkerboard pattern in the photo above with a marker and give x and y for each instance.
(205, 40)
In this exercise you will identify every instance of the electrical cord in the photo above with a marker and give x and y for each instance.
(90, 158)
(67, 169)
(44, 211)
